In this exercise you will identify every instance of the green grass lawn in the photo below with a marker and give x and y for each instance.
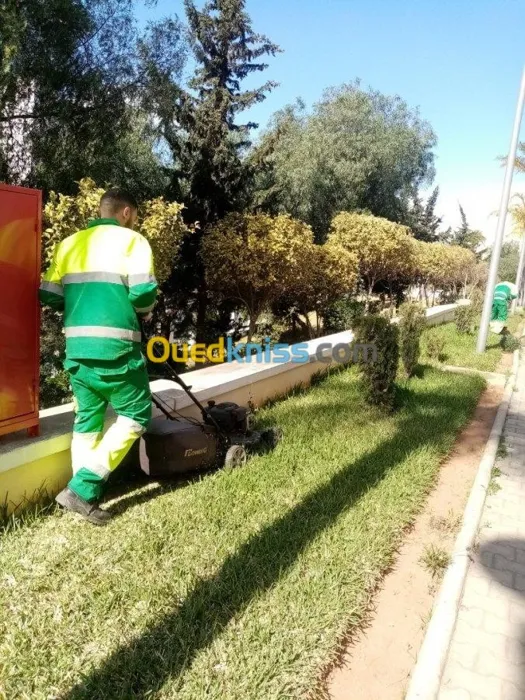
(460, 348)
(238, 586)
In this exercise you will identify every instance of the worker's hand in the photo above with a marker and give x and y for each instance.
(147, 317)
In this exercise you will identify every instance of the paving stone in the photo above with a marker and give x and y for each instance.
(503, 564)
(493, 624)
(492, 665)
(500, 606)
(457, 694)
(484, 686)
(477, 586)
(506, 550)
(502, 577)
(464, 654)
(472, 616)
(510, 692)
(515, 652)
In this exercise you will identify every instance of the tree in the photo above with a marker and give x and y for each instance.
(70, 89)
(422, 219)
(357, 150)
(322, 275)
(445, 267)
(159, 221)
(227, 51)
(382, 247)
(411, 326)
(253, 259)
(378, 377)
(206, 137)
(465, 237)
(519, 163)
(269, 184)
(509, 260)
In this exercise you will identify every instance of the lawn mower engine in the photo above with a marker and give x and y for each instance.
(230, 417)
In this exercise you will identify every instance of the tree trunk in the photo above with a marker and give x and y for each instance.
(252, 327)
(311, 333)
(369, 294)
(202, 308)
(302, 324)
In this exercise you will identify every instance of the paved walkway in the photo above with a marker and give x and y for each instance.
(487, 656)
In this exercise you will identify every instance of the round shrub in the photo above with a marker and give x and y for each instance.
(476, 300)
(435, 346)
(509, 342)
(465, 318)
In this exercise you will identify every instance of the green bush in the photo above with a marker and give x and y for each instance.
(509, 342)
(435, 346)
(465, 318)
(379, 373)
(411, 325)
(342, 315)
(476, 300)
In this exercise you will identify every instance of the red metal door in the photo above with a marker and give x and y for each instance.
(20, 224)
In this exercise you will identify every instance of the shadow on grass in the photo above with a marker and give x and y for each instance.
(167, 649)
(128, 488)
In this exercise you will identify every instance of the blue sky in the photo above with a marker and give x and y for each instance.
(459, 61)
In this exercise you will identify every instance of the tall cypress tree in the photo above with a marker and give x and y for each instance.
(210, 169)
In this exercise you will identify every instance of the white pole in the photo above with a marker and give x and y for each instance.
(504, 205)
(519, 273)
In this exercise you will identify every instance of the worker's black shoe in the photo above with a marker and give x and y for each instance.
(89, 511)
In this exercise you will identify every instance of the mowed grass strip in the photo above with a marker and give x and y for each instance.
(240, 585)
(460, 348)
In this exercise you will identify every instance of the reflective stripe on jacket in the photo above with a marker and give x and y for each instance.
(502, 292)
(101, 277)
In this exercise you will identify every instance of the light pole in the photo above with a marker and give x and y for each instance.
(504, 204)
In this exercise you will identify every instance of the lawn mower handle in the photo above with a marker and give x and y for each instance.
(178, 380)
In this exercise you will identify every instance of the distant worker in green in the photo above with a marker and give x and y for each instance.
(504, 293)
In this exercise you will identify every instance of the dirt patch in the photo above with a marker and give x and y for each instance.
(378, 662)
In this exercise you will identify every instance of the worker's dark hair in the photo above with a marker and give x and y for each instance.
(116, 199)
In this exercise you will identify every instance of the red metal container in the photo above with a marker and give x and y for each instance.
(20, 229)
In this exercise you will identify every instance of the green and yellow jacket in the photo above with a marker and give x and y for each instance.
(101, 277)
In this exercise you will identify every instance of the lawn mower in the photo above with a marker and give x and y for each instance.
(174, 444)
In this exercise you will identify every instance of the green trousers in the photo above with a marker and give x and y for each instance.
(500, 311)
(122, 384)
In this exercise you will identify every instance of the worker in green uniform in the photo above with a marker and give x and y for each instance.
(102, 278)
(504, 293)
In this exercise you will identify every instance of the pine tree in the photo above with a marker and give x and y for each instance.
(422, 218)
(227, 51)
(208, 141)
(466, 237)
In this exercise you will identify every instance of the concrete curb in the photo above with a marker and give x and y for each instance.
(430, 665)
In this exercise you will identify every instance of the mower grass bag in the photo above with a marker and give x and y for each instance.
(176, 447)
